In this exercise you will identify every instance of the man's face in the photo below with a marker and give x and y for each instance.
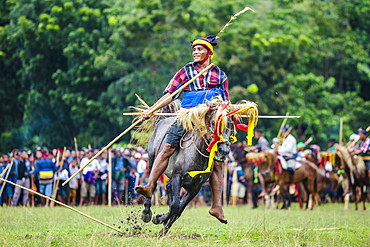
(24, 155)
(6, 158)
(257, 135)
(38, 154)
(199, 53)
(362, 135)
(90, 154)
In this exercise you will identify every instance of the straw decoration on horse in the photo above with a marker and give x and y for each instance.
(195, 118)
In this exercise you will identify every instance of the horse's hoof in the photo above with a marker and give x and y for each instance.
(146, 217)
(163, 232)
(156, 219)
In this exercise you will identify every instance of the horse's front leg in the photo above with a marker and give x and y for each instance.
(146, 215)
(354, 194)
(188, 196)
(364, 196)
(173, 192)
(157, 219)
(285, 196)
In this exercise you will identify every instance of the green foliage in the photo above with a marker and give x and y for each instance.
(70, 68)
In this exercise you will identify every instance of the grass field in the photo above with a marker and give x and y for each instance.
(327, 225)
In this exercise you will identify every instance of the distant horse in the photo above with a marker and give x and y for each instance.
(325, 178)
(191, 164)
(355, 170)
(264, 162)
(307, 174)
(239, 155)
(323, 182)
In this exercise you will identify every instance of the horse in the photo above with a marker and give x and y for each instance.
(325, 177)
(330, 180)
(263, 161)
(239, 154)
(191, 164)
(307, 174)
(355, 170)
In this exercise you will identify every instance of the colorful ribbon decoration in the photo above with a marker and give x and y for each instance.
(212, 147)
(217, 136)
(251, 122)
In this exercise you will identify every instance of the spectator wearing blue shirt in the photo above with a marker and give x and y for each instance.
(45, 169)
(121, 166)
(22, 174)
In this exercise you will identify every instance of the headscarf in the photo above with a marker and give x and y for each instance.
(208, 42)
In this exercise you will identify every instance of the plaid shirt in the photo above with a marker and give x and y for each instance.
(365, 146)
(215, 78)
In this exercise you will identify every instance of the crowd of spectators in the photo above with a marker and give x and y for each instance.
(45, 171)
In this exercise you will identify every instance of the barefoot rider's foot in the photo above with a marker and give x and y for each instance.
(219, 214)
(144, 190)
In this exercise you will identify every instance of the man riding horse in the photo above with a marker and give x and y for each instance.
(212, 83)
(288, 149)
(364, 148)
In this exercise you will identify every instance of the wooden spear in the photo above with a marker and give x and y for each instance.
(110, 178)
(282, 125)
(55, 192)
(6, 177)
(77, 152)
(56, 180)
(62, 204)
(4, 171)
(340, 131)
(156, 107)
(141, 100)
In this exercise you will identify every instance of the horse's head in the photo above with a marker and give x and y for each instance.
(227, 134)
(217, 120)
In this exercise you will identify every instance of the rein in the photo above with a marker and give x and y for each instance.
(192, 142)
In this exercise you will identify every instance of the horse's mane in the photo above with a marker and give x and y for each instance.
(253, 116)
(355, 164)
(346, 156)
(360, 165)
(195, 118)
